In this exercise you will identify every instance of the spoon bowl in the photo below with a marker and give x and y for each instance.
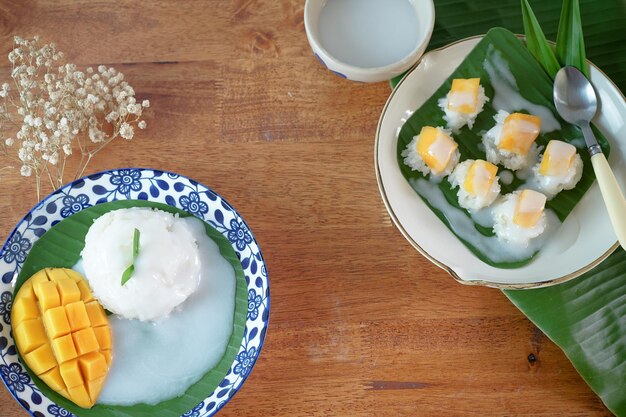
(574, 96)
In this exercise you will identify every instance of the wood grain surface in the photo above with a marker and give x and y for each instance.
(361, 324)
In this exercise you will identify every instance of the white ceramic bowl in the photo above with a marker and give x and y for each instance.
(426, 20)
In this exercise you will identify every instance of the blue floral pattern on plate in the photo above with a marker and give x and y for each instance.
(136, 184)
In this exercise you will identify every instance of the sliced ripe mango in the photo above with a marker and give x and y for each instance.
(63, 334)
(519, 132)
(435, 148)
(53, 379)
(31, 334)
(463, 96)
(529, 208)
(480, 177)
(557, 159)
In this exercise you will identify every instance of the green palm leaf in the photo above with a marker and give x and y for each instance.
(536, 42)
(570, 43)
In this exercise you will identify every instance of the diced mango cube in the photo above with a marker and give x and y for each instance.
(53, 379)
(463, 97)
(39, 276)
(55, 274)
(47, 295)
(85, 341)
(93, 365)
(56, 322)
(63, 392)
(70, 371)
(529, 208)
(107, 355)
(64, 349)
(29, 335)
(68, 290)
(80, 396)
(77, 315)
(103, 334)
(73, 275)
(435, 148)
(23, 309)
(85, 291)
(94, 387)
(480, 177)
(41, 359)
(96, 314)
(557, 158)
(519, 132)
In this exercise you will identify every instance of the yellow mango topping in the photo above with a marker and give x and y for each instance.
(463, 97)
(53, 379)
(64, 349)
(41, 359)
(31, 334)
(529, 207)
(480, 177)
(557, 159)
(77, 315)
(107, 356)
(39, 276)
(85, 341)
(71, 374)
(55, 322)
(47, 295)
(96, 314)
(68, 291)
(94, 387)
(26, 309)
(79, 395)
(63, 334)
(103, 335)
(93, 366)
(435, 148)
(519, 132)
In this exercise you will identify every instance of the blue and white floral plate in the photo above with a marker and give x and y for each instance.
(134, 184)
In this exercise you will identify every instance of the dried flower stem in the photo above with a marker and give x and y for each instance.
(59, 108)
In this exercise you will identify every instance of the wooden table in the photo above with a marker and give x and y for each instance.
(361, 324)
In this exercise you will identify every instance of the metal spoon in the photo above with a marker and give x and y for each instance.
(576, 101)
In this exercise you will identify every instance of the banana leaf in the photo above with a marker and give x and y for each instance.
(534, 85)
(61, 247)
(585, 317)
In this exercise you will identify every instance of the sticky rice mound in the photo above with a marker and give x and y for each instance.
(167, 269)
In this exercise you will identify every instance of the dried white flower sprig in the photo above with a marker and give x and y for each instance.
(50, 108)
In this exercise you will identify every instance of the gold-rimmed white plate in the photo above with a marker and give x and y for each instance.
(584, 239)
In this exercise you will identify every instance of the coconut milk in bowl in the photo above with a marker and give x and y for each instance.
(369, 40)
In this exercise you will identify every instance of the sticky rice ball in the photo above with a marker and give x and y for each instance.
(478, 183)
(560, 168)
(511, 142)
(432, 152)
(519, 217)
(167, 269)
(463, 103)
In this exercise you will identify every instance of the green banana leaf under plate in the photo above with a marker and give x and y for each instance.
(586, 316)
